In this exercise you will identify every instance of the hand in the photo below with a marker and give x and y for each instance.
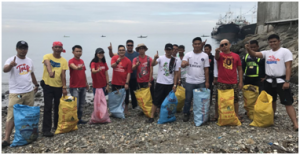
(119, 60)
(13, 63)
(217, 49)
(240, 85)
(174, 89)
(52, 74)
(179, 83)
(110, 47)
(149, 84)
(207, 85)
(99, 69)
(156, 56)
(87, 87)
(247, 46)
(286, 85)
(107, 88)
(65, 93)
(262, 79)
(35, 89)
(215, 81)
(126, 86)
(202, 44)
(137, 63)
(80, 67)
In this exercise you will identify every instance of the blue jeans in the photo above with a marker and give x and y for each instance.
(189, 95)
(105, 93)
(79, 93)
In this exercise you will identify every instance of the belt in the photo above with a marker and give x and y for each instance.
(274, 81)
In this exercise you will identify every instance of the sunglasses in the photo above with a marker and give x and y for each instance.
(224, 44)
(121, 50)
(130, 45)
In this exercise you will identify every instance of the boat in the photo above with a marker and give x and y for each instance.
(225, 28)
(142, 36)
(246, 30)
(204, 35)
(66, 36)
(103, 36)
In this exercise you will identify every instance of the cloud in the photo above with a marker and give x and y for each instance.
(180, 13)
(118, 21)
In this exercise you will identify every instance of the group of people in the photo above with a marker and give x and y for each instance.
(270, 70)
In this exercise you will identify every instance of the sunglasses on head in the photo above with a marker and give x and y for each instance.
(130, 45)
(224, 44)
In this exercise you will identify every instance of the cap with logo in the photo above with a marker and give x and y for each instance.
(168, 46)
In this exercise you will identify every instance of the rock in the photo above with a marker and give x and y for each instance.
(250, 141)
(38, 94)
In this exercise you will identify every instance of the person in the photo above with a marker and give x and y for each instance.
(99, 71)
(174, 54)
(182, 70)
(254, 68)
(130, 54)
(21, 76)
(215, 83)
(168, 69)
(144, 73)
(197, 75)
(54, 85)
(228, 65)
(122, 68)
(278, 70)
(78, 81)
(207, 50)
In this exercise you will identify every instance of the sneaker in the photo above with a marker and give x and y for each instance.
(186, 117)
(82, 122)
(5, 144)
(48, 134)
(150, 120)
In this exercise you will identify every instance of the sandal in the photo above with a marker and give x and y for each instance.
(5, 144)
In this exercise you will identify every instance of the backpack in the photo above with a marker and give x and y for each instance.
(172, 65)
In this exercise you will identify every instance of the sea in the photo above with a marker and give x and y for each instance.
(41, 43)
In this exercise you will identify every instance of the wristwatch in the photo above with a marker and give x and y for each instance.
(64, 87)
(126, 83)
(37, 85)
(287, 81)
(174, 85)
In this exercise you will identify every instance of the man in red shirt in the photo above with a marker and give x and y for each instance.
(228, 63)
(78, 82)
(142, 64)
(121, 71)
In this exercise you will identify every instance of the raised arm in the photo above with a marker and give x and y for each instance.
(8, 67)
(154, 60)
(111, 54)
(253, 53)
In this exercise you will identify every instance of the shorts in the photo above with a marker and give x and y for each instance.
(25, 99)
(223, 86)
(161, 92)
(286, 96)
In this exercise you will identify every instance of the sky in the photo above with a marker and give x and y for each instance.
(118, 18)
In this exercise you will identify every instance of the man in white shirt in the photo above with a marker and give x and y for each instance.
(181, 81)
(197, 75)
(21, 77)
(174, 54)
(278, 70)
(168, 69)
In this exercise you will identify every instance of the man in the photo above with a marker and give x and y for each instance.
(78, 81)
(254, 68)
(142, 64)
(182, 70)
(21, 77)
(228, 64)
(166, 78)
(130, 54)
(54, 85)
(121, 72)
(207, 50)
(197, 75)
(278, 71)
(174, 54)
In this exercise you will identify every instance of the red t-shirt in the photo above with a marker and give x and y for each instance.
(99, 79)
(121, 71)
(227, 68)
(143, 70)
(77, 77)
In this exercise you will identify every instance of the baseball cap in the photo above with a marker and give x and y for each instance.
(22, 43)
(168, 46)
(99, 50)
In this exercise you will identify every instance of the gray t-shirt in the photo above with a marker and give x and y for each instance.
(131, 56)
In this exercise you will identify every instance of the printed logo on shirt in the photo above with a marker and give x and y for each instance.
(23, 69)
(209, 60)
(202, 59)
(144, 70)
(119, 68)
(272, 60)
(228, 62)
(54, 64)
(166, 69)
(195, 65)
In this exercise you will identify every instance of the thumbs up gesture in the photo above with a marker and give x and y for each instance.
(156, 56)
(13, 63)
(247, 46)
(110, 47)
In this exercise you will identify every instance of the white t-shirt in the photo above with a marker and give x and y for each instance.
(215, 68)
(164, 76)
(20, 75)
(183, 70)
(275, 62)
(197, 62)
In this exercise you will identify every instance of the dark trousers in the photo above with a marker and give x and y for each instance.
(161, 92)
(132, 88)
(50, 93)
(145, 85)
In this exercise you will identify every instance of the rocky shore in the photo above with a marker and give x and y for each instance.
(132, 135)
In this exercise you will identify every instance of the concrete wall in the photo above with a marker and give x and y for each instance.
(274, 11)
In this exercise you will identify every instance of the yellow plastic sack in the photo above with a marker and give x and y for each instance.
(67, 115)
(180, 94)
(250, 93)
(263, 111)
(144, 99)
(226, 111)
